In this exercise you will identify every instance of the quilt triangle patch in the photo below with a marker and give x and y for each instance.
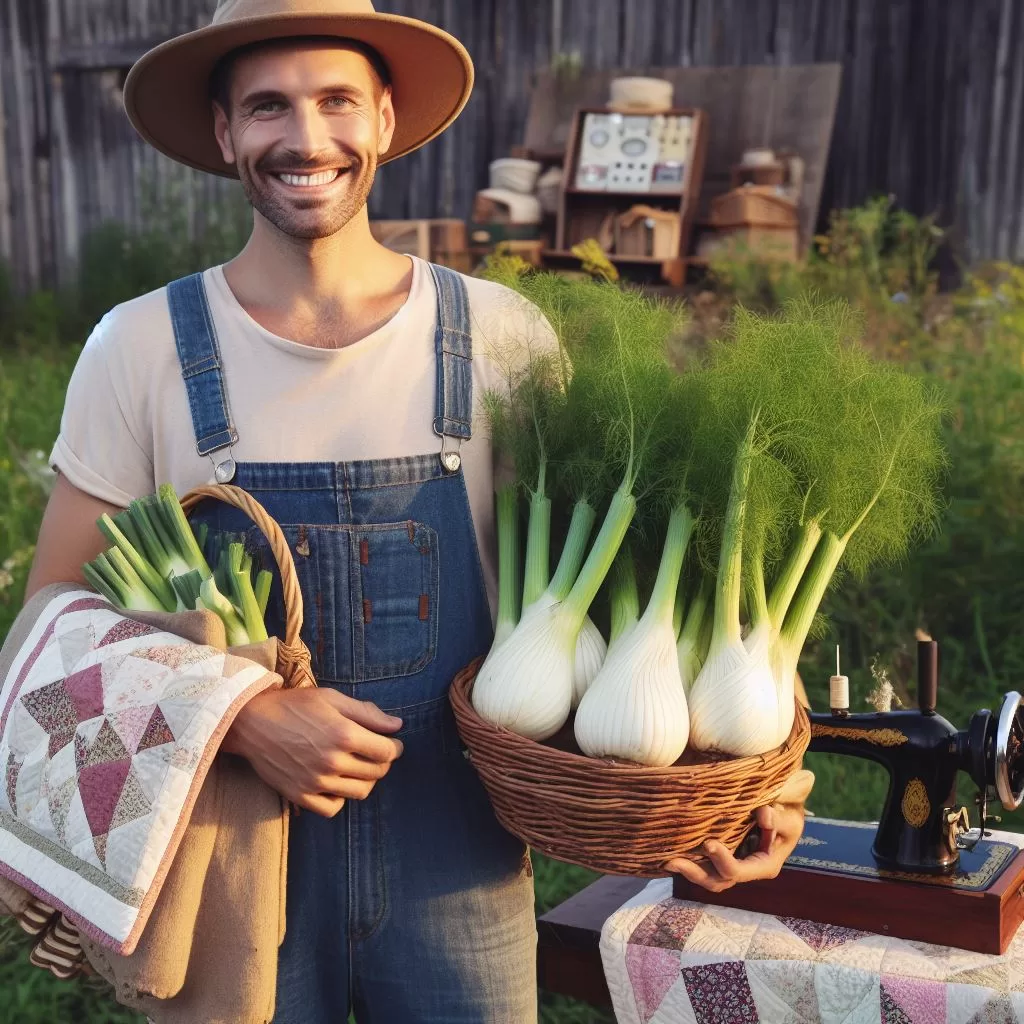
(100, 786)
(996, 975)
(106, 747)
(175, 656)
(821, 937)
(52, 707)
(132, 804)
(892, 1012)
(919, 1001)
(720, 992)
(60, 798)
(157, 731)
(652, 972)
(75, 644)
(58, 740)
(100, 842)
(126, 629)
(130, 724)
(667, 926)
(996, 1011)
(85, 689)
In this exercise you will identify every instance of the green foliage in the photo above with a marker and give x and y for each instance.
(32, 996)
(119, 263)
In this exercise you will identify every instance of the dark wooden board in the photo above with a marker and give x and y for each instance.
(568, 954)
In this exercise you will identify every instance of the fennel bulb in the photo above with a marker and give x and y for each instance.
(526, 685)
(734, 701)
(636, 708)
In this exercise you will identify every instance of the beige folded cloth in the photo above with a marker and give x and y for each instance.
(209, 950)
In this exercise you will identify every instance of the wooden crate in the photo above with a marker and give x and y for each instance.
(754, 204)
(646, 231)
(768, 242)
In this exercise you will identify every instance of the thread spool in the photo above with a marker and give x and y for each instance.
(839, 691)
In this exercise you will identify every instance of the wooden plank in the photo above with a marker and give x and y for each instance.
(568, 955)
(100, 57)
(930, 106)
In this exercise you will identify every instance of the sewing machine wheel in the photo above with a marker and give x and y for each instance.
(1009, 752)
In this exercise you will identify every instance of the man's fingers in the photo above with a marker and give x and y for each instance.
(368, 715)
(697, 874)
(728, 867)
(350, 766)
(352, 738)
(325, 806)
(765, 818)
(348, 789)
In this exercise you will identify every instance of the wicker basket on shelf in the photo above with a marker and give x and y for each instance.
(616, 818)
(294, 663)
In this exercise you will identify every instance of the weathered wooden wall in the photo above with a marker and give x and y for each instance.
(931, 106)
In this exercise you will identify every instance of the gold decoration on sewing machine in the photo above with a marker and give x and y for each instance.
(878, 737)
(916, 806)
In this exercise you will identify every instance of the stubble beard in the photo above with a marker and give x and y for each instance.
(316, 221)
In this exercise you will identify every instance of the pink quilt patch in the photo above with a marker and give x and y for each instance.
(912, 1000)
(652, 972)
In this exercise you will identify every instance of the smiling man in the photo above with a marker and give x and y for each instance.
(339, 383)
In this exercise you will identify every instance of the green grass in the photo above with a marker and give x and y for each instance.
(964, 586)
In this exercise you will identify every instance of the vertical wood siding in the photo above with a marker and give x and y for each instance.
(931, 105)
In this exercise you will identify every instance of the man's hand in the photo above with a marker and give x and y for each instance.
(316, 747)
(781, 823)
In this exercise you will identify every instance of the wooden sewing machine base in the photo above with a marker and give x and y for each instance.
(831, 878)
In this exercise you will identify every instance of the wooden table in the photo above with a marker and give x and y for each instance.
(568, 954)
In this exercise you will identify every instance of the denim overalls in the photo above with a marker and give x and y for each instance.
(413, 905)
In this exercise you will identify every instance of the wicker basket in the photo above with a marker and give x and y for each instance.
(294, 664)
(758, 205)
(616, 818)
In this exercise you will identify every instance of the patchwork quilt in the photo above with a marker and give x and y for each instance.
(107, 730)
(671, 961)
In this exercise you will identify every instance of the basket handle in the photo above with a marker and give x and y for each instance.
(293, 659)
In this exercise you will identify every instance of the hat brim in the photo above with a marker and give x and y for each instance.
(166, 93)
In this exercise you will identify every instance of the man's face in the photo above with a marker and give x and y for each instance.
(306, 128)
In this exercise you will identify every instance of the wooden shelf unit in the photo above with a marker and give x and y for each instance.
(581, 212)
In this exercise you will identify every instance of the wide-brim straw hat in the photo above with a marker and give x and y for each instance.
(167, 95)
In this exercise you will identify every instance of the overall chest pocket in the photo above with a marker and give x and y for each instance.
(370, 597)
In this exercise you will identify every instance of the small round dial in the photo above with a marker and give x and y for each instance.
(599, 137)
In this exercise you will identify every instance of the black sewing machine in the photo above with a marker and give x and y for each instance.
(924, 873)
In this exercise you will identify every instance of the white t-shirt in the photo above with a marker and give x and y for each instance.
(127, 428)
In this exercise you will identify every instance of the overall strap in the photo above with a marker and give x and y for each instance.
(454, 348)
(199, 353)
